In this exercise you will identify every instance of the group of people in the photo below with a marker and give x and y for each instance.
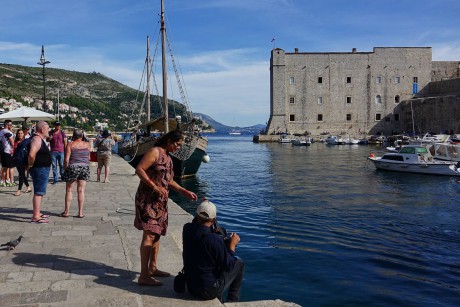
(211, 266)
(9, 142)
(45, 148)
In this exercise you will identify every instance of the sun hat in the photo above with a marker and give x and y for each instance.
(206, 210)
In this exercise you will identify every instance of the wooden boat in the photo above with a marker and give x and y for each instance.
(414, 159)
(139, 138)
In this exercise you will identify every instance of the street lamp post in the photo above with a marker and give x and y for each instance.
(43, 62)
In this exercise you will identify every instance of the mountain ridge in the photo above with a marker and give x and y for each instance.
(97, 97)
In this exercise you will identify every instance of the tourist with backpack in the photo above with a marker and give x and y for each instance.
(104, 154)
(20, 156)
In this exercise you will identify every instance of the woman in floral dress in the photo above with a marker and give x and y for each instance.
(156, 174)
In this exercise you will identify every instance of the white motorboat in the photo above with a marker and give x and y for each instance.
(334, 140)
(351, 141)
(414, 159)
(284, 139)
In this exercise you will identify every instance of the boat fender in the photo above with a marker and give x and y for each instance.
(127, 158)
(206, 158)
(371, 155)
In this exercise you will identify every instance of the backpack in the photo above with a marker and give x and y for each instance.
(21, 154)
(104, 145)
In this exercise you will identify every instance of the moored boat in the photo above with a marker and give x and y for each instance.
(334, 140)
(186, 160)
(414, 159)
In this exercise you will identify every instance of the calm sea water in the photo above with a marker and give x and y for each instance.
(321, 227)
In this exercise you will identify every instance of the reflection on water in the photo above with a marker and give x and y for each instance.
(320, 226)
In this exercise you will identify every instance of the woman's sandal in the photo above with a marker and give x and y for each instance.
(40, 221)
(62, 214)
(18, 192)
(148, 281)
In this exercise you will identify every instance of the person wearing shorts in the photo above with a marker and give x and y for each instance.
(76, 169)
(39, 162)
(104, 154)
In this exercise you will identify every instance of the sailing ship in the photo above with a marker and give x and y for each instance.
(139, 139)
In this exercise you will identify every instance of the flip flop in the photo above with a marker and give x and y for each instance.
(62, 214)
(45, 216)
(80, 216)
(40, 221)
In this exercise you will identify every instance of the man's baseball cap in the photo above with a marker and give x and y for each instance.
(206, 210)
(57, 123)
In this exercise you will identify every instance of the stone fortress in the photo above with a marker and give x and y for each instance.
(387, 91)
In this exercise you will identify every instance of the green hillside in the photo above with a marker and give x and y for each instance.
(98, 98)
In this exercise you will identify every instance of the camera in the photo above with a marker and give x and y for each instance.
(221, 231)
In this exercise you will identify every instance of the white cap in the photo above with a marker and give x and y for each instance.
(206, 210)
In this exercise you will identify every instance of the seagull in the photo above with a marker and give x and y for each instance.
(13, 243)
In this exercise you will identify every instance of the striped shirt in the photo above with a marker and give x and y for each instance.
(79, 156)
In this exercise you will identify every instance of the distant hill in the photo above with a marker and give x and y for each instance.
(224, 129)
(97, 97)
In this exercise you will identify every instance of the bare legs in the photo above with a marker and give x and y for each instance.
(81, 184)
(36, 203)
(150, 246)
(107, 169)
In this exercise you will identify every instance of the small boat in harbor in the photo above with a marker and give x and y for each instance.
(334, 140)
(414, 159)
(284, 139)
(301, 142)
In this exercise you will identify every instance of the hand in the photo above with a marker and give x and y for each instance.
(190, 195)
(160, 191)
(234, 240)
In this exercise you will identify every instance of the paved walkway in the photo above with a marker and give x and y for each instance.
(93, 261)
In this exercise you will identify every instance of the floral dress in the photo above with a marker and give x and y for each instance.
(151, 208)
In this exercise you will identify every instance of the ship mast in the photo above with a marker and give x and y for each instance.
(163, 67)
(147, 61)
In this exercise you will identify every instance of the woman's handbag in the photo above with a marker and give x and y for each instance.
(179, 282)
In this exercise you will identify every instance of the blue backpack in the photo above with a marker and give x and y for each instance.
(21, 154)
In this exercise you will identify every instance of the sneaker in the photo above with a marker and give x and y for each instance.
(3, 184)
(9, 184)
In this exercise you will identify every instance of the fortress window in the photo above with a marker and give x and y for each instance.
(348, 117)
(292, 100)
(397, 99)
(348, 79)
(320, 100)
(397, 79)
(378, 116)
(415, 79)
(320, 79)
(292, 117)
(292, 80)
(348, 99)
(378, 99)
(378, 79)
(320, 117)
(396, 117)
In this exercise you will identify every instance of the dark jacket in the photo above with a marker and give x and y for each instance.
(205, 256)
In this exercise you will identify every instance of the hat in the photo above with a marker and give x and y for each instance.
(105, 133)
(206, 210)
(57, 123)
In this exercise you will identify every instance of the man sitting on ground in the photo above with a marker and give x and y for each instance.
(210, 264)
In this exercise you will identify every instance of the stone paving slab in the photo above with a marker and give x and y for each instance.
(90, 261)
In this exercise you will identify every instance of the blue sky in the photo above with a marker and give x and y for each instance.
(223, 46)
